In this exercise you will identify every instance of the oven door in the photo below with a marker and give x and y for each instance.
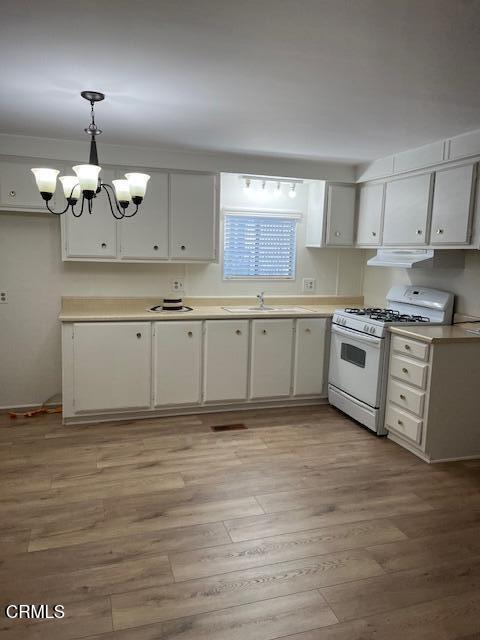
(356, 364)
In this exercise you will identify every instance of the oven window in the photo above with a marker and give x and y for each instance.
(353, 354)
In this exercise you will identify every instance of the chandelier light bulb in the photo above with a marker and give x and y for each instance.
(122, 191)
(137, 183)
(71, 187)
(246, 186)
(292, 193)
(278, 190)
(87, 175)
(46, 180)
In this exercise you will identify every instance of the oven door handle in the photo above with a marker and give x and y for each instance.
(361, 337)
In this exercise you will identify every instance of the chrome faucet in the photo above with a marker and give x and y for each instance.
(261, 299)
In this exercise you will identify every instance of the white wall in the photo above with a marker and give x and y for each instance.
(32, 272)
(464, 283)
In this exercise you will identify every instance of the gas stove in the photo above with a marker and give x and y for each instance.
(360, 346)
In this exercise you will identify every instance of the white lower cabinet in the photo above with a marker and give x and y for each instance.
(309, 357)
(271, 358)
(177, 362)
(225, 365)
(111, 366)
(170, 365)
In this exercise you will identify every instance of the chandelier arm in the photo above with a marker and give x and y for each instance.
(57, 213)
(89, 204)
(106, 186)
(79, 213)
(130, 215)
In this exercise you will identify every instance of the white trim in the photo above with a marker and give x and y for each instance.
(258, 212)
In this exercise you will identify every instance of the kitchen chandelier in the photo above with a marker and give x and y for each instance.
(87, 183)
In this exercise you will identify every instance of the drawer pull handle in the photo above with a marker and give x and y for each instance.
(183, 247)
(264, 331)
(238, 332)
(12, 194)
(155, 247)
(400, 422)
(190, 334)
(402, 397)
(139, 335)
(407, 347)
(104, 245)
(404, 370)
(419, 232)
(439, 232)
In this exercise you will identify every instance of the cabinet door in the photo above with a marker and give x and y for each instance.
(111, 366)
(92, 235)
(18, 189)
(271, 359)
(193, 216)
(452, 205)
(177, 353)
(145, 236)
(225, 360)
(309, 357)
(406, 211)
(340, 215)
(369, 222)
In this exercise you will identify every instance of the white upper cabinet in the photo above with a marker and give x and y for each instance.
(452, 205)
(370, 209)
(340, 215)
(18, 189)
(111, 366)
(271, 359)
(193, 216)
(225, 360)
(308, 375)
(177, 362)
(331, 215)
(407, 203)
(145, 236)
(92, 235)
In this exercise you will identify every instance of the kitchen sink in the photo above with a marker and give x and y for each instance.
(266, 310)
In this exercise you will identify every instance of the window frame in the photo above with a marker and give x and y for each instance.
(294, 215)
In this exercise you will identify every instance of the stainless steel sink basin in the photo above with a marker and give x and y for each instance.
(266, 310)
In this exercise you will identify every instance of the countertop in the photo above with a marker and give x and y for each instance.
(129, 309)
(440, 334)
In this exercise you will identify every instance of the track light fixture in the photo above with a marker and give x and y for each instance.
(87, 184)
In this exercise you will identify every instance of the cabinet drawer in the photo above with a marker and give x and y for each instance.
(409, 371)
(411, 348)
(406, 397)
(400, 422)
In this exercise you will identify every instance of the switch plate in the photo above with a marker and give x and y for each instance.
(308, 285)
(3, 297)
(177, 286)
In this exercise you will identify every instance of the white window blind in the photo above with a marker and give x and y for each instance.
(257, 246)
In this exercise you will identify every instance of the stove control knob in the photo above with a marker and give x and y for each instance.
(372, 329)
(365, 327)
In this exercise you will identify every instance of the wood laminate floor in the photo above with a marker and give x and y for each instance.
(303, 526)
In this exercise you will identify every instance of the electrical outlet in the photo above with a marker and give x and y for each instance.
(3, 297)
(177, 286)
(308, 285)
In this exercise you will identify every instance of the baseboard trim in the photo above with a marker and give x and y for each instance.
(191, 410)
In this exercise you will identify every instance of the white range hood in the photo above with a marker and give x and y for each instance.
(418, 258)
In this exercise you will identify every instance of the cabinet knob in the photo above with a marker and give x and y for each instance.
(139, 335)
(12, 194)
(439, 232)
(402, 397)
(400, 422)
(238, 332)
(407, 347)
(183, 247)
(155, 247)
(308, 330)
(104, 245)
(419, 232)
(337, 234)
(405, 370)
(264, 331)
(190, 334)
(374, 233)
